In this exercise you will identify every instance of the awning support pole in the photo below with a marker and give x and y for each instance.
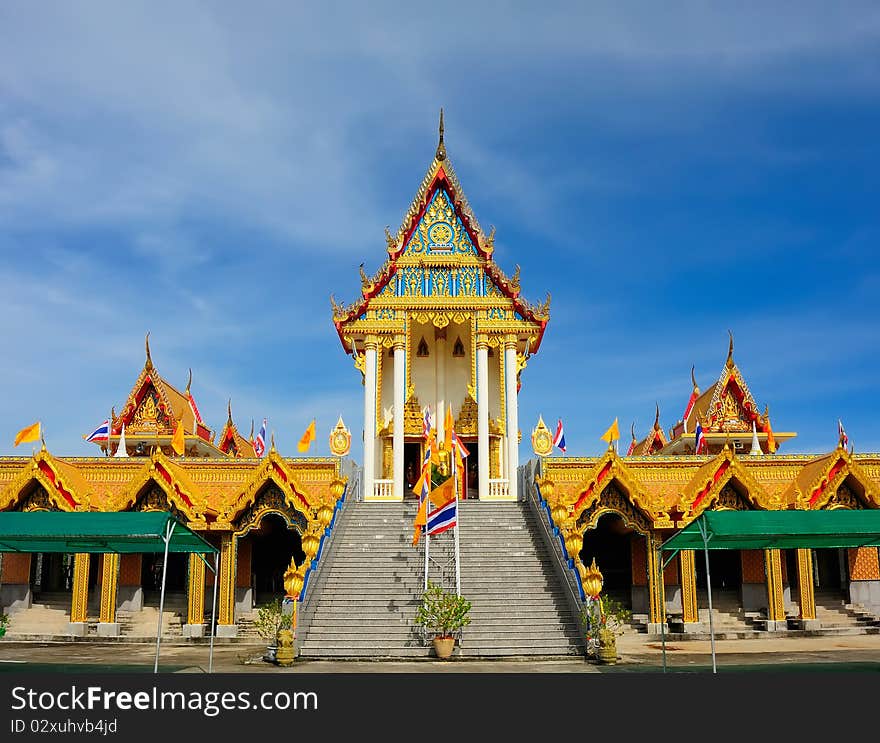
(702, 527)
(169, 531)
(663, 624)
(213, 611)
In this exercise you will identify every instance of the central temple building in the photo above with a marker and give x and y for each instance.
(440, 324)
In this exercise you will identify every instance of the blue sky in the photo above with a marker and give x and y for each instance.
(211, 173)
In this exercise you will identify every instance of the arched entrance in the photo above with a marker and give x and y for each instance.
(272, 546)
(268, 535)
(610, 545)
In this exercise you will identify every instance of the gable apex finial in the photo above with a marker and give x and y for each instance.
(441, 147)
(730, 351)
(147, 344)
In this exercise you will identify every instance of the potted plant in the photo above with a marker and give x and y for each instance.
(443, 614)
(604, 620)
(269, 622)
(4, 621)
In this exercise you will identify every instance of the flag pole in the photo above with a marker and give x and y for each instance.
(455, 534)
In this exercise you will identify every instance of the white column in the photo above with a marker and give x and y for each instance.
(483, 416)
(370, 419)
(399, 402)
(440, 382)
(512, 424)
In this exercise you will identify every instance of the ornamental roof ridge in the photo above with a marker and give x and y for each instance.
(230, 434)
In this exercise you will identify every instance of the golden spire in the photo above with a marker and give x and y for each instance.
(694, 380)
(251, 437)
(441, 147)
(272, 446)
(189, 381)
(730, 352)
(657, 418)
(147, 344)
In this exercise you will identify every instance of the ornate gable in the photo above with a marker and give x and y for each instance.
(731, 407)
(231, 442)
(819, 483)
(46, 483)
(180, 494)
(272, 470)
(707, 488)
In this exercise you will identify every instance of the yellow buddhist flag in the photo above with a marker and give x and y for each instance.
(612, 434)
(177, 441)
(307, 438)
(29, 433)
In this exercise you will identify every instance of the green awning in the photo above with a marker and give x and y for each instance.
(54, 531)
(745, 530)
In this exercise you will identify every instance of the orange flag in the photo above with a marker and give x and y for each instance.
(177, 441)
(448, 425)
(28, 433)
(307, 438)
(439, 496)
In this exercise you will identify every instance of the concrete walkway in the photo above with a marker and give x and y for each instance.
(637, 653)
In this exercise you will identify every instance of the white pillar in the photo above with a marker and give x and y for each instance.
(370, 419)
(399, 402)
(512, 424)
(483, 416)
(440, 382)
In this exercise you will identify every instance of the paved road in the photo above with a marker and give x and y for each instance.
(637, 654)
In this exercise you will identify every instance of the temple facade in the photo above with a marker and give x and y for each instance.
(618, 510)
(266, 515)
(440, 325)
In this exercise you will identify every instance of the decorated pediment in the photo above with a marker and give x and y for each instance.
(45, 484)
(231, 442)
(440, 230)
(273, 471)
(709, 487)
(610, 469)
(835, 481)
(161, 485)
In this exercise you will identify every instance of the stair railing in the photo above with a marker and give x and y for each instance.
(316, 577)
(568, 578)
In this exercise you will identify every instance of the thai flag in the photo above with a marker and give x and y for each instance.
(260, 441)
(443, 518)
(843, 438)
(427, 422)
(699, 439)
(559, 437)
(688, 409)
(101, 433)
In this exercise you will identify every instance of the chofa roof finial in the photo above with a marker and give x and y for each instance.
(694, 380)
(730, 351)
(147, 344)
(189, 381)
(441, 147)
(657, 417)
(229, 411)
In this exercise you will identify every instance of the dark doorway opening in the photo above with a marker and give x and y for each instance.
(272, 546)
(829, 569)
(412, 466)
(725, 566)
(610, 544)
(151, 575)
(472, 467)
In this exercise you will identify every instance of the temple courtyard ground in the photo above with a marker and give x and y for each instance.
(637, 654)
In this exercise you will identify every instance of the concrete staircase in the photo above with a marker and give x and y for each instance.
(518, 606)
(47, 617)
(834, 613)
(143, 623)
(367, 596)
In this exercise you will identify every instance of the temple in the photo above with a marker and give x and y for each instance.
(440, 326)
